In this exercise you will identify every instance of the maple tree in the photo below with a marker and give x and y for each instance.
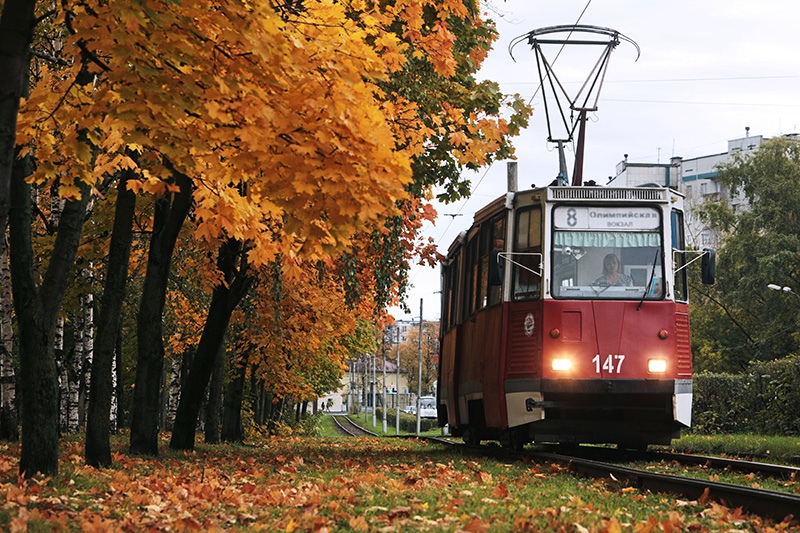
(98, 424)
(233, 265)
(301, 331)
(292, 133)
(37, 306)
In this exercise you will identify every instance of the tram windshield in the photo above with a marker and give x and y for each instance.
(607, 253)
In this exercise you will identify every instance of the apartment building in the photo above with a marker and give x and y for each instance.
(696, 179)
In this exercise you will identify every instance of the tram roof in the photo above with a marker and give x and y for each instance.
(645, 193)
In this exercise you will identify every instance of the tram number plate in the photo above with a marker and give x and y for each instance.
(612, 364)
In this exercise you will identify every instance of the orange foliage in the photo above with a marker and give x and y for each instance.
(278, 118)
(303, 329)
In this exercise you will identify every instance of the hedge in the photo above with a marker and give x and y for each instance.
(408, 423)
(764, 400)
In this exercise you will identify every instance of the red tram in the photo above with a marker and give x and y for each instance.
(565, 319)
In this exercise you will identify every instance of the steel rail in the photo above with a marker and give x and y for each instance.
(724, 463)
(719, 463)
(767, 503)
(352, 429)
(760, 502)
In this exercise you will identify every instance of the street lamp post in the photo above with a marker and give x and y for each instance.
(397, 399)
(419, 376)
(785, 290)
(374, 391)
(385, 403)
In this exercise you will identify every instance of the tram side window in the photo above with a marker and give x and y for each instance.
(447, 297)
(496, 237)
(472, 276)
(679, 244)
(527, 255)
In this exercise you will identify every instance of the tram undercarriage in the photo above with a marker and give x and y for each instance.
(630, 413)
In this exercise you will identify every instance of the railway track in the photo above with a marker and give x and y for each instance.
(350, 428)
(613, 455)
(760, 502)
(766, 503)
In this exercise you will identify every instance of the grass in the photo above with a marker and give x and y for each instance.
(308, 483)
(311, 483)
(328, 427)
(777, 449)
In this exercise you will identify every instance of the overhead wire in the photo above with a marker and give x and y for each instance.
(486, 172)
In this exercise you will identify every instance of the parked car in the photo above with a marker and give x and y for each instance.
(427, 407)
(410, 409)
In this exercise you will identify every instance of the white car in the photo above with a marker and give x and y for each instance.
(427, 407)
(409, 409)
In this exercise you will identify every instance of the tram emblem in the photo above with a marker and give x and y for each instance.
(530, 323)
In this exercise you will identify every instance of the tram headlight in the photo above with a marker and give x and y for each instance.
(656, 366)
(561, 364)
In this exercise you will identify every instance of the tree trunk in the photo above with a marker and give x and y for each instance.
(257, 393)
(174, 387)
(75, 366)
(16, 33)
(101, 392)
(214, 406)
(170, 213)
(9, 430)
(232, 430)
(87, 341)
(223, 301)
(63, 376)
(37, 312)
(118, 404)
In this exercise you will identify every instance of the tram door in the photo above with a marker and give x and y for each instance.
(523, 341)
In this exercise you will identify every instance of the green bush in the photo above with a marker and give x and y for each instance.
(777, 396)
(765, 400)
(718, 401)
(408, 423)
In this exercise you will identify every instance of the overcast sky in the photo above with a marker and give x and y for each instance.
(707, 70)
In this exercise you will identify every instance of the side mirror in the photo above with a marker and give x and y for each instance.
(496, 268)
(708, 266)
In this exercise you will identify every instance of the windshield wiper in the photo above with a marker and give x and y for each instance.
(650, 281)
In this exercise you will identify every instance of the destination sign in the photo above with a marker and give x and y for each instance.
(606, 218)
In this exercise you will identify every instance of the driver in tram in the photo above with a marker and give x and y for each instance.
(612, 274)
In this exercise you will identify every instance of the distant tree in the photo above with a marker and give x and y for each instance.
(739, 319)
(409, 357)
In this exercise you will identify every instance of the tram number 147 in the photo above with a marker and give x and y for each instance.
(611, 364)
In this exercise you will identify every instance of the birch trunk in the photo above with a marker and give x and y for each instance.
(9, 430)
(87, 341)
(174, 385)
(63, 376)
(74, 365)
